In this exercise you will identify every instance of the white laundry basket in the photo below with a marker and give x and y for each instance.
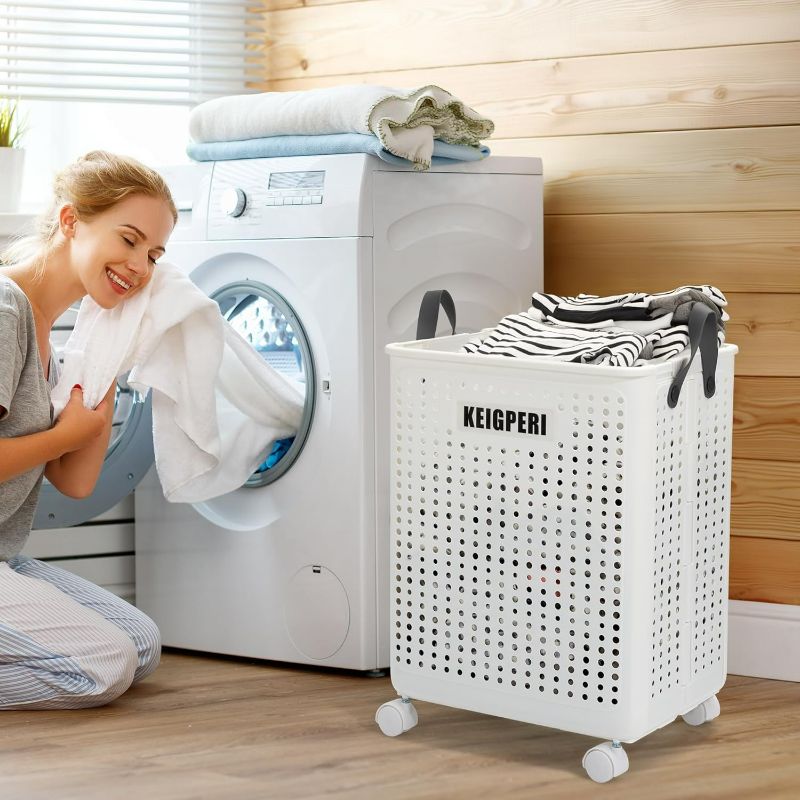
(560, 557)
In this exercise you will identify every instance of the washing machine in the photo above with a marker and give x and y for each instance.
(320, 261)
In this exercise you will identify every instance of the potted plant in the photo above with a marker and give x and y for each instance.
(12, 156)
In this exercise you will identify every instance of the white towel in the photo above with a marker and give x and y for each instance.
(405, 121)
(217, 406)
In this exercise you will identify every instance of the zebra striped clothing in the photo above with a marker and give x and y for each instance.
(521, 335)
(590, 308)
(66, 643)
(618, 330)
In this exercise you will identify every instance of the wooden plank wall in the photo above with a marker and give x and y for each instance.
(670, 134)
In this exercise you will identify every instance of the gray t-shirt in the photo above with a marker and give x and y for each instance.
(25, 396)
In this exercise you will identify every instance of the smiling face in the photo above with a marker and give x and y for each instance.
(114, 253)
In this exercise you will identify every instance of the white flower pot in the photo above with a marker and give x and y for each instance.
(12, 160)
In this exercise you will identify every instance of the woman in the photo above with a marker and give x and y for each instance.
(65, 643)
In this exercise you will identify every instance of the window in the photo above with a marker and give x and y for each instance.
(60, 131)
(118, 76)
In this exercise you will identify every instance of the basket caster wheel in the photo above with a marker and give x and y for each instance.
(396, 717)
(605, 761)
(705, 712)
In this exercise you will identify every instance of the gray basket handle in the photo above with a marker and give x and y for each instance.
(429, 312)
(703, 334)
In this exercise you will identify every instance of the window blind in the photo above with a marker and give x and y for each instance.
(177, 52)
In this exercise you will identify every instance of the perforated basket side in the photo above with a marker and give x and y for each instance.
(669, 519)
(509, 556)
(711, 495)
(692, 493)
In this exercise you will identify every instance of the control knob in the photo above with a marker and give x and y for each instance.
(234, 202)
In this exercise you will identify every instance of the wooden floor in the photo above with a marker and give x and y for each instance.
(206, 727)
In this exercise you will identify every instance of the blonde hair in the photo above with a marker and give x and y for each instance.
(93, 184)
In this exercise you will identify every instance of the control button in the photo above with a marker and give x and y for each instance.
(316, 199)
(306, 201)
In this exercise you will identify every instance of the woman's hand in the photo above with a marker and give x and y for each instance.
(83, 435)
(78, 426)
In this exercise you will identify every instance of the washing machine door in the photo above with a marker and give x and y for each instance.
(129, 454)
(266, 320)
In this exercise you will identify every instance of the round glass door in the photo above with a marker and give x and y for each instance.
(266, 320)
(126, 401)
(129, 456)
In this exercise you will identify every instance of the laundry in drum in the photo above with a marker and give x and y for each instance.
(263, 323)
(266, 328)
(280, 448)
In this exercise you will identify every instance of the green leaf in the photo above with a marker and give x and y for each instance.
(11, 127)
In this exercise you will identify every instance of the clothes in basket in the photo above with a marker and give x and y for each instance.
(617, 330)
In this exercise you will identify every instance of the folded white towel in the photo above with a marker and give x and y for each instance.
(217, 405)
(405, 121)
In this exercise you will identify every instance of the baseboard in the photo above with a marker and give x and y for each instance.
(764, 640)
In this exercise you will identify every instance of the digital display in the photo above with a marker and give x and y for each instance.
(297, 180)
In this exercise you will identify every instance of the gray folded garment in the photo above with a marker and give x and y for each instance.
(680, 302)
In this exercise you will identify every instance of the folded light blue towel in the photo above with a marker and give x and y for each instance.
(324, 144)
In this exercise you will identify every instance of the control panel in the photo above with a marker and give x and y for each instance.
(288, 197)
(283, 189)
(295, 188)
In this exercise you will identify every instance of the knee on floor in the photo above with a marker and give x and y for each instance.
(106, 673)
(149, 649)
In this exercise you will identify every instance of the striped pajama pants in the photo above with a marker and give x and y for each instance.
(66, 643)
